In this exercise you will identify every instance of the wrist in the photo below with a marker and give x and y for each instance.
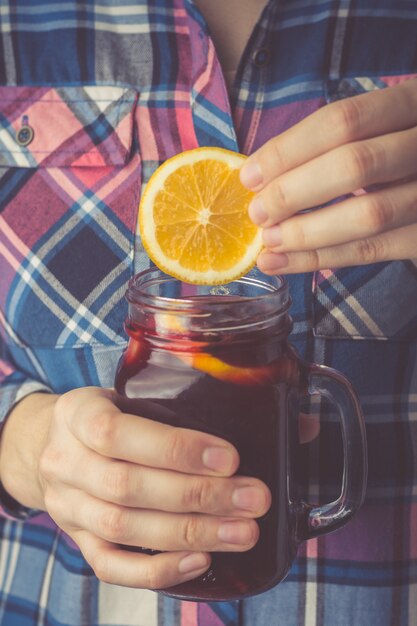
(22, 440)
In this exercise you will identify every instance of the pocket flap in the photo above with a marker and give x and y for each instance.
(66, 126)
(375, 301)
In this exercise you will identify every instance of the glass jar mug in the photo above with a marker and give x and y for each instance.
(218, 359)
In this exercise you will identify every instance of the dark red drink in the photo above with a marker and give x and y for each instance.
(222, 364)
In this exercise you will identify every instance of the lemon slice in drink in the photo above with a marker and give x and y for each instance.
(193, 218)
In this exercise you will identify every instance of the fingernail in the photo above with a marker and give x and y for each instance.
(257, 211)
(251, 175)
(218, 459)
(193, 562)
(272, 262)
(248, 498)
(272, 236)
(235, 532)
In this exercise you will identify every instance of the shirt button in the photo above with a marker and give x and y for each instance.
(25, 135)
(261, 57)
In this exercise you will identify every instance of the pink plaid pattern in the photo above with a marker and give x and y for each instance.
(90, 127)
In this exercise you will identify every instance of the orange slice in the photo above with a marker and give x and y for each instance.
(193, 218)
(281, 370)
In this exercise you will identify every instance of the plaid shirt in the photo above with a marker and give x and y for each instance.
(110, 90)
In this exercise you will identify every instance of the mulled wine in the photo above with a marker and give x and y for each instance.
(221, 363)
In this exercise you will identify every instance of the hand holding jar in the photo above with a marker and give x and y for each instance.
(111, 479)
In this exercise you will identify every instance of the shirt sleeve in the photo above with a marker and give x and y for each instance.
(14, 386)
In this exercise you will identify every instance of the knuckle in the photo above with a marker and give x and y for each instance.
(101, 431)
(279, 197)
(175, 451)
(379, 213)
(112, 524)
(64, 402)
(50, 462)
(277, 155)
(371, 250)
(363, 163)
(313, 260)
(191, 532)
(67, 405)
(199, 495)
(153, 577)
(117, 483)
(296, 234)
(347, 118)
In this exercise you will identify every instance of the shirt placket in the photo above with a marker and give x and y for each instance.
(209, 99)
(220, 120)
(251, 83)
(213, 126)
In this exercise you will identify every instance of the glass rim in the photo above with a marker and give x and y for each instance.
(139, 284)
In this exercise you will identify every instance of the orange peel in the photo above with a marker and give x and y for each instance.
(194, 221)
(280, 370)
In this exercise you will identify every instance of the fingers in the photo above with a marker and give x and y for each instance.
(350, 220)
(391, 245)
(132, 485)
(103, 428)
(338, 172)
(339, 150)
(158, 530)
(354, 119)
(113, 565)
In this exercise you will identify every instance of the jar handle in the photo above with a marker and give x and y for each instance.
(317, 520)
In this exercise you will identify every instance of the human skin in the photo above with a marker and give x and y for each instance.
(108, 477)
(366, 140)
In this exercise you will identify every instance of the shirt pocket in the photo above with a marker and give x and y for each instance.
(70, 180)
(377, 301)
